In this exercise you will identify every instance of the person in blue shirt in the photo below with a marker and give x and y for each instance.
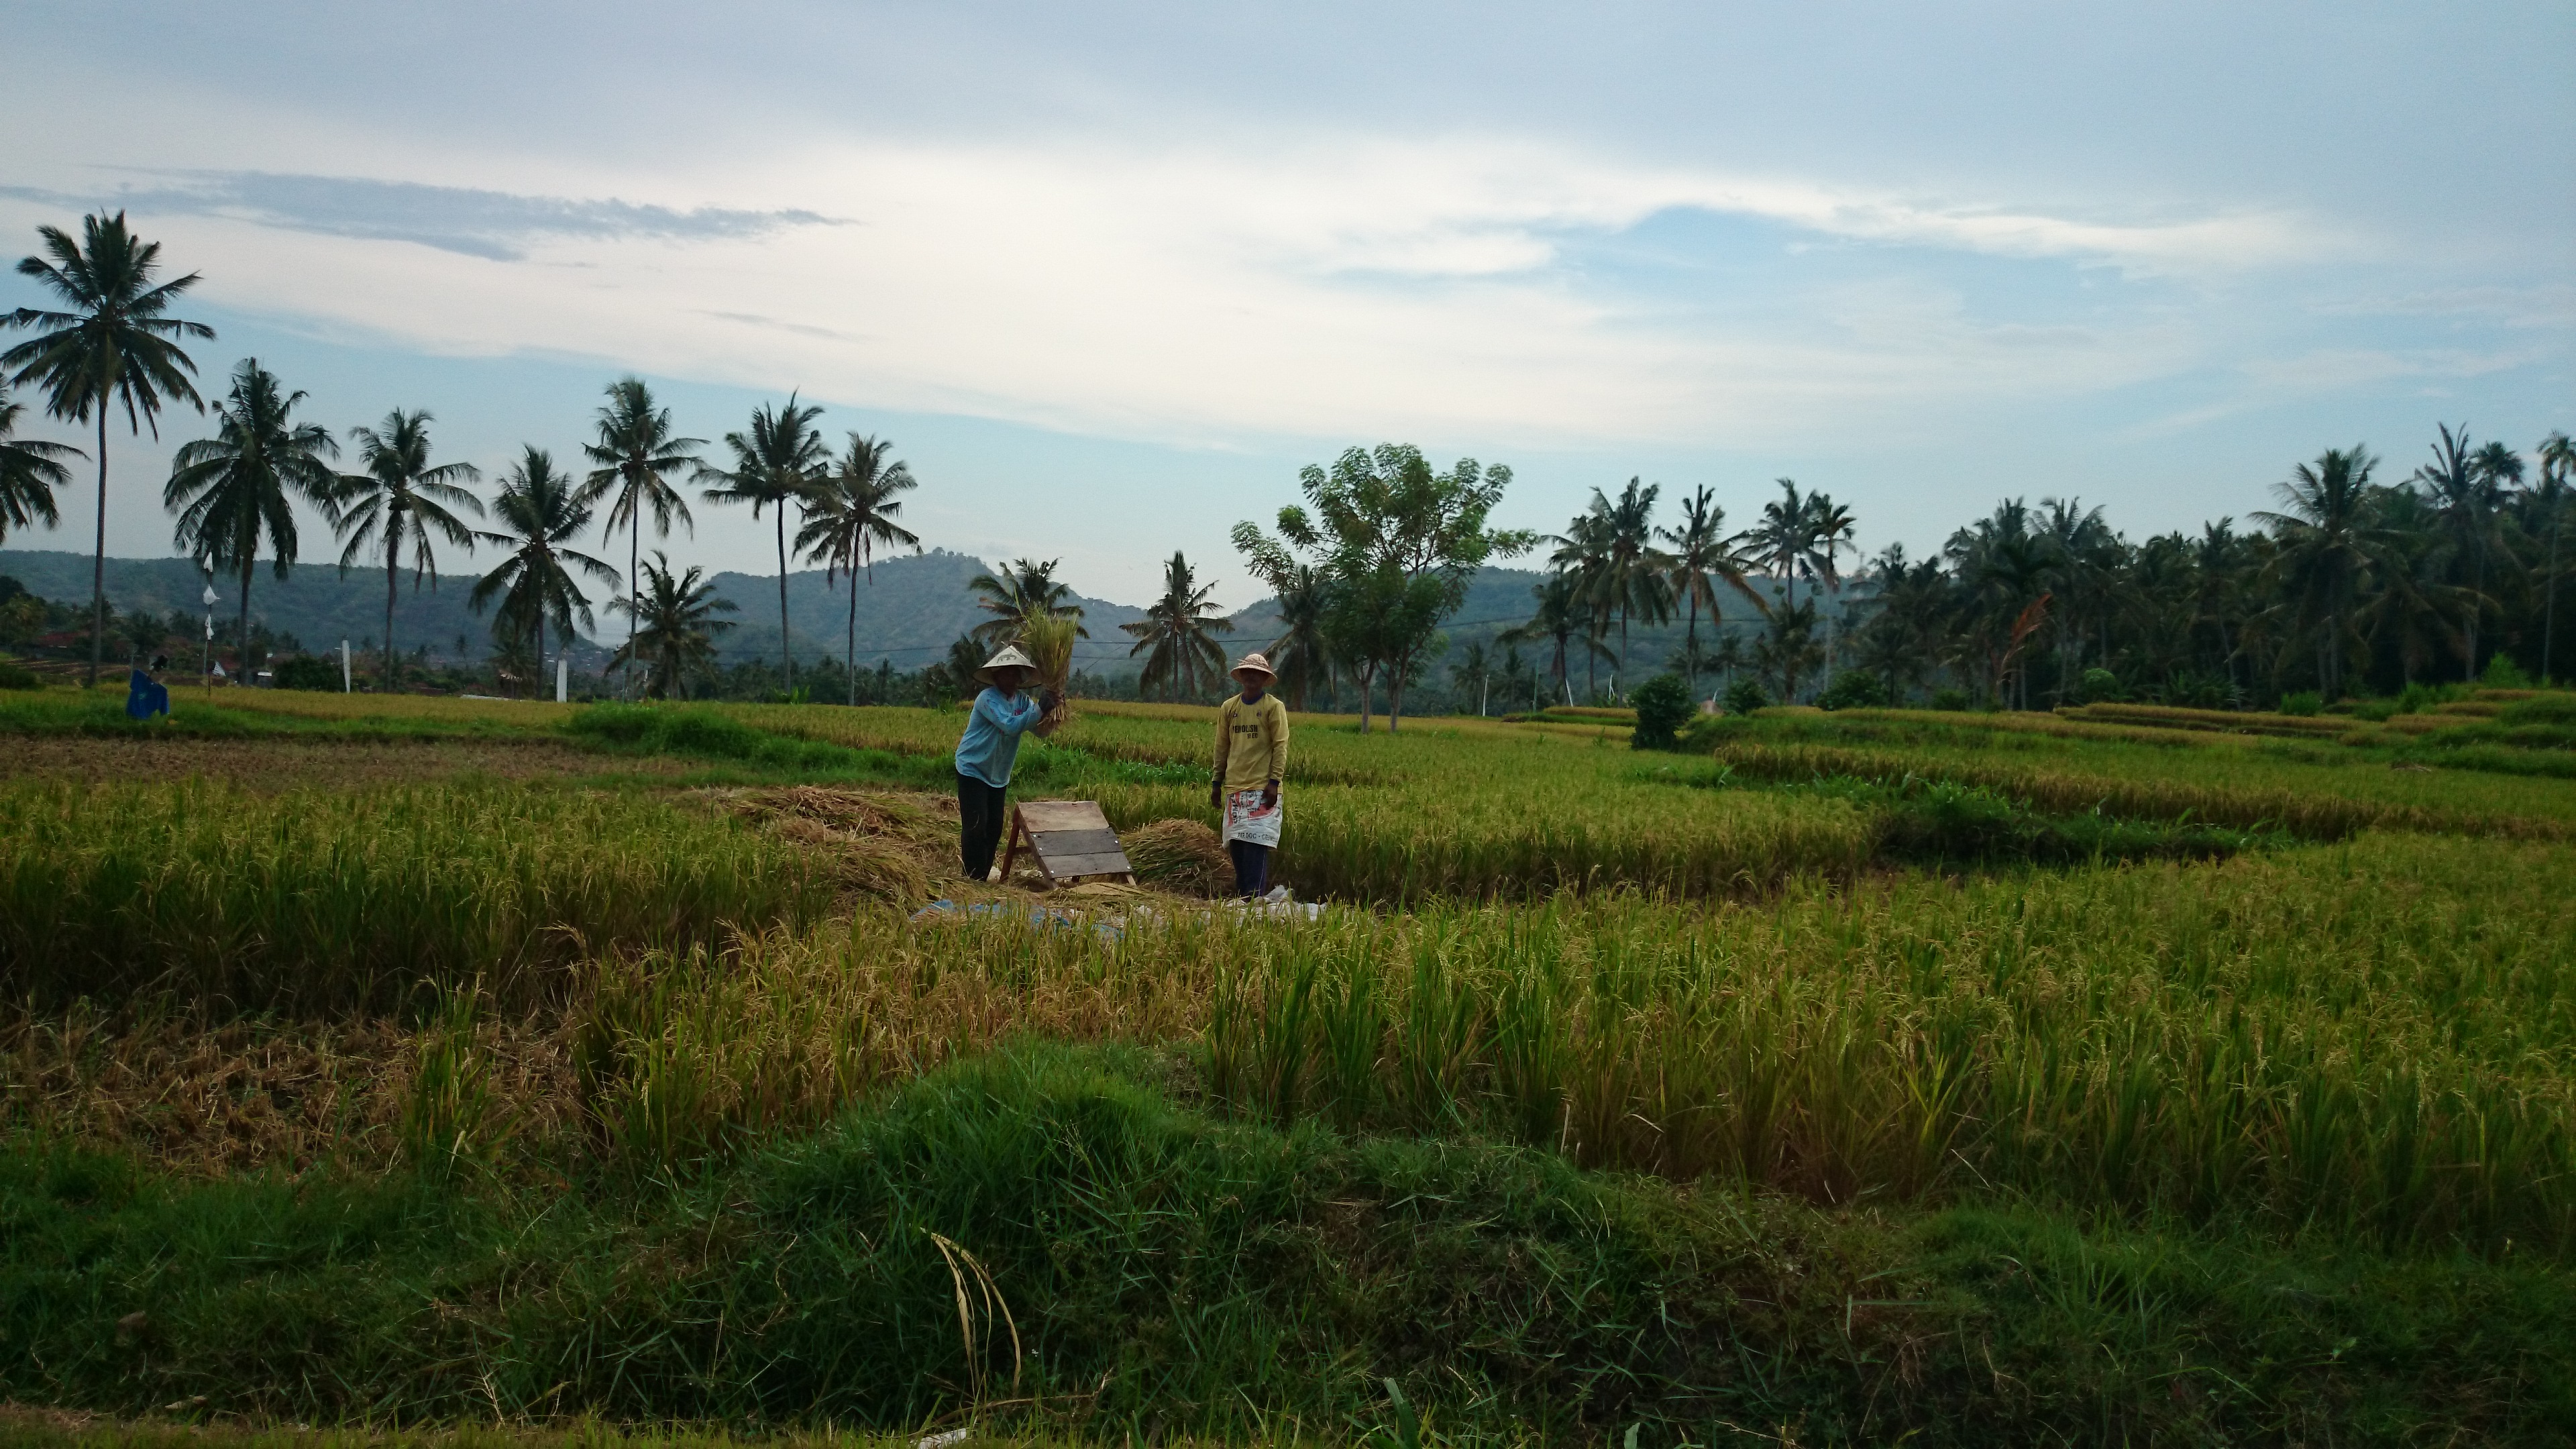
(1002, 712)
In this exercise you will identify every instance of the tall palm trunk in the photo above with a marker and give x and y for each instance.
(634, 542)
(98, 561)
(1690, 643)
(2549, 614)
(386, 674)
(540, 682)
(249, 675)
(850, 646)
(2477, 585)
(785, 650)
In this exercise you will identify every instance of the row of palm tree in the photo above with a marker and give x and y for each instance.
(110, 343)
(2350, 584)
(1177, 636)
(1614, 566)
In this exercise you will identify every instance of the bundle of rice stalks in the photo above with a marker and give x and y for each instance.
(1179, 855)
(874, 845)
(1048, 641)
(859, 864)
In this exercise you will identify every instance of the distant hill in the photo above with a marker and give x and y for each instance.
(915, 607)
(313, 603)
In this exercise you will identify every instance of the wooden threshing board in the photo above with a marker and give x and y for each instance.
(1070, 838)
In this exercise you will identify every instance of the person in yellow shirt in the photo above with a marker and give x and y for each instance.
(1251, 756)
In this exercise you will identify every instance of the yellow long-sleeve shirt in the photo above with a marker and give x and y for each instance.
(1251, 742)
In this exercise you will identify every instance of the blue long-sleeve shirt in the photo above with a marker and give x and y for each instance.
(992, 738)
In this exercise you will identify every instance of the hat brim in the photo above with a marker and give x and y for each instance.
(1240, 670)
(985, 674)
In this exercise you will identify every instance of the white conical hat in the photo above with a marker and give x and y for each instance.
(1256, 663)
(1009, 658)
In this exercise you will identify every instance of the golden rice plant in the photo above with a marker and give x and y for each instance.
(1047, 639)
(313, 900)
(2309, 813)
(2359, 1036)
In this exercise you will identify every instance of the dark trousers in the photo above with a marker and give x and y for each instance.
(1251, 867)
(979, 825)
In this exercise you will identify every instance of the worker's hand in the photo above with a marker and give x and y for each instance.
(1270, 796)
(1046, 701)
(1216, 794)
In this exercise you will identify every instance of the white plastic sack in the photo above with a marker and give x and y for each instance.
(1246, 820)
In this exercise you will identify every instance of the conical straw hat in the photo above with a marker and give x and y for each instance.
(1254, 663)
(1010, 657)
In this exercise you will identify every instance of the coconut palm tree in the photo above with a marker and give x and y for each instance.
(112, 346)
(852, 512)
(1474, 669)
(673, 625)
(1560, 618)
(1018, 589)
(399, 498)
(1177, 629)
(2557, 474)
(540, 511)
(778, 461)
(1303, 650)
(1582, 559)
(237, 488)
(1703, 557)
(1624, 573)
(30, 470)
(638, 456)
(2467, 498)
(2331, 541)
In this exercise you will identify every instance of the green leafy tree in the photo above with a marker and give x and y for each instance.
(779, 462)
(1177, 637)
(853, 512)
(540, 512)
(237, 489)
(673, 627)
(398, 499)
(640, 455)
(30, 470)
(1398, 543)
(111, 345)
(1663, 707)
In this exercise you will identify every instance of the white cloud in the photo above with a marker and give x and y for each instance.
(1200, 295)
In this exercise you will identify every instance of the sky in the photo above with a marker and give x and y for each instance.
(1109, 275)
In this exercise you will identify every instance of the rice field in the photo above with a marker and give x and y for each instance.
(2323, 1007)
(333, 900)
